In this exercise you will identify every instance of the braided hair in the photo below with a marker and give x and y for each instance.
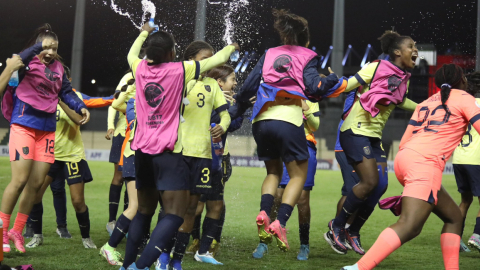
(447, 77)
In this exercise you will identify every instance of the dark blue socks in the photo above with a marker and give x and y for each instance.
(218, 236)
(284, 213)
(180, 245)
(136, 233)
(304, 230)
(160, 240)
(196, 227)
(477, 226)
(266, 203)
(84, 223)
(121, 229)
(210, 227)
(362, 215)
(351, 204)
(35, 218)
(113, 200)
(59, 201)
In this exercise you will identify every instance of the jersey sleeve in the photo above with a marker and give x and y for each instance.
(69, 97)
(470, 108)
(111, 118)
(313, 116)
(219, 101)
(362, 77)
(132, 57)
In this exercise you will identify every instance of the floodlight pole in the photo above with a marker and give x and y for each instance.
(338, 36)
(477, 59)
(200, 19)
(77, 48)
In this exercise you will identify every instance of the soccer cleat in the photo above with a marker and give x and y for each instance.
(464, 247)
(111, 254)
(175, 265)
(214, 248)
(303, 254)
(194, 247)
(28, 231)
(206, 258)
(328, 236)
(6, 244)
(337, 236)
(280, 233)
(352, 267)
(474, 241)
(260, 251)
(36, 241)
(63, 232)
(88, 243)
(111, 226)
(354, 242)
(163, 261)
(17, 239)
(263, 222)
(133, 266)
(122, 268)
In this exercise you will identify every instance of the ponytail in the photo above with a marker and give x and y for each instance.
(160, 44)
(445, 94)
(42, 32)
(448, 77)
(391, 41)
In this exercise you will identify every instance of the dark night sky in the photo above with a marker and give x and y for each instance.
(450, 25)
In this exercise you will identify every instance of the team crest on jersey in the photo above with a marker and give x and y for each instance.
(282, 63)
(393, 82)
(207, 87)
(153, 92)
(26, 150)
(52, 76)
(366, 150)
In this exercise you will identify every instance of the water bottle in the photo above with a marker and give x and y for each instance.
(152, 24)
(235, 56)
(14, 81)
(217, 144)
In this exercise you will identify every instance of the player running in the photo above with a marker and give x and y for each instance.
(435, 129)
(30, 108)
(311, 122)
(466, 166)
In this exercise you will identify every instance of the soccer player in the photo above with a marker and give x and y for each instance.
(30, 108)
(289, 74)
(466, 166)
(54, 179)
(116, 133)
(384, 86)
(126, 98)
(204, 95)
(160, 168)
(311, 123)
(434, 131)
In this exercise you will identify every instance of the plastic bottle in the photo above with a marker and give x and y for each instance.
(14, 81)
(152, 24)
(235, 56)
(217, 143)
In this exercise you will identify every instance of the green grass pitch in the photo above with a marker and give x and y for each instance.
(239, 237)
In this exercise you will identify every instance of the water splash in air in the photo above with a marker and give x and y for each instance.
(147, 7)
(229, 27)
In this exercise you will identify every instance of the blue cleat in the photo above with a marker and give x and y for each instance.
(260, 251)
(354, 242)
(335, 237)
(175, 265)
(133, 266)
(206, 258)
(163, 261)
(303, 254)
(352, 267)
(122, 268)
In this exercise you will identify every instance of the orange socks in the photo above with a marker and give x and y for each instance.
(450, 243)
(387, 242)
(6, 223)
(20, 222)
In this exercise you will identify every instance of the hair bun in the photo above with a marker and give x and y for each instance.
(387, 39)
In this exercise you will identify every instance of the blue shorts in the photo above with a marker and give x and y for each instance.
(468, 178)
(73, 172)
(165, 171)
(356, 147)
(312, 169)
(128, 168)
(279, 139)
(116, 150)
(200, 175)
(350, 177)
(218, 189)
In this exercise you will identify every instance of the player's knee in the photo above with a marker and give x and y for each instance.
(79, 205)
(303, 202)
(467, 198)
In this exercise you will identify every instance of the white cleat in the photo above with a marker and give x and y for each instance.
(36, 241)
(352, 267)
(88, 243)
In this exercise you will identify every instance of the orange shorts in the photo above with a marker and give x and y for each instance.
(420, 176)
(30, 143)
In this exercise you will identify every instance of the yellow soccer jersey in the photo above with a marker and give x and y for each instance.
(359, 120)
(121, 125)
(312, 122)
(128, 151)
(468, 151)
(68, 139)
(283, 109)
(203, 97)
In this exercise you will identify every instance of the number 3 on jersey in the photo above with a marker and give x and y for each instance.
(201, 102)
(468, 137)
